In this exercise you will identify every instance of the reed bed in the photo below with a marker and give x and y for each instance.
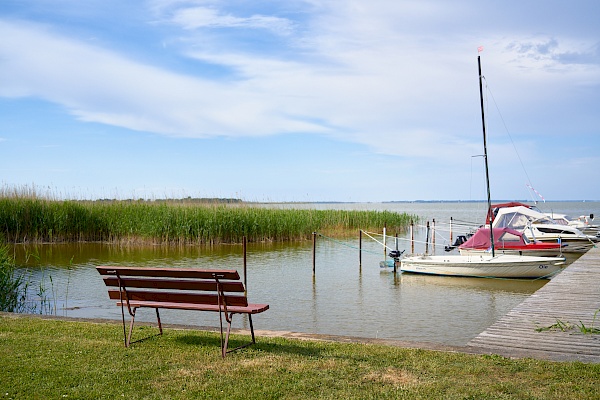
(30, 219)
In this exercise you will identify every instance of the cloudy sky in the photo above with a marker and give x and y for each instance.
(314, 100)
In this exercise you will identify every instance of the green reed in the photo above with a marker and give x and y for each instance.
(33, 219)
(16, 288)
(10, 282)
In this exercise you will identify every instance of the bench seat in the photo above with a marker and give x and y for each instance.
(250, 309)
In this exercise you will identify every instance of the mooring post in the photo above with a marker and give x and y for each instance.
(244, 245)
(314, 252)
(433, 235)
(412, 237)
(450, 231)
(427, 239)
(384, 242)
(395, 266)
(360, 248)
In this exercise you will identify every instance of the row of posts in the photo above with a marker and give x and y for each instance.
(430, 237)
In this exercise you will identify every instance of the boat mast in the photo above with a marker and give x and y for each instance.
(485, 156)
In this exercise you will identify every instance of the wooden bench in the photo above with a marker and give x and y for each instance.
(182, 289)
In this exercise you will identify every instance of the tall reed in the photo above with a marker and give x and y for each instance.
(33, 219)
(10, 282)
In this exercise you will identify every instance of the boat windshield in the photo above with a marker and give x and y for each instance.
(514, 220)
(534, 208)
(561, 221)
(545, 220)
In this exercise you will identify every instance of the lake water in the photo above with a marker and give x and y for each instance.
(342, 298)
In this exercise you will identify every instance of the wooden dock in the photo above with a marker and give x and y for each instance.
(571, 298)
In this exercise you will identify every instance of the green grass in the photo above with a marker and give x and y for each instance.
(34, 219)
(44, 358)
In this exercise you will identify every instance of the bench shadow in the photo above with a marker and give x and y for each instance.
(306, 349)
(145, 338)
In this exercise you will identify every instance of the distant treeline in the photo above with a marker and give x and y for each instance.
(31, 219)
(185, 200)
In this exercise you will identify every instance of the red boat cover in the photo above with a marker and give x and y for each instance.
(504, 238)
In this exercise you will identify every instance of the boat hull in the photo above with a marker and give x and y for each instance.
(500, 266)
(570, 244)
(514, 252)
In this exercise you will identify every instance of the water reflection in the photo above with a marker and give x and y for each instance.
(517, 286)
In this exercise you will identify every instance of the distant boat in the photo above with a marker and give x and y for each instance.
(488, 265)
(508, 241)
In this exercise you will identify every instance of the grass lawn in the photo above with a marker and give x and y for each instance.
(48, 358)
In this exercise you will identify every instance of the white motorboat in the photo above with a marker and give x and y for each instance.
(538, 226)
(583, 223)
(484, 266)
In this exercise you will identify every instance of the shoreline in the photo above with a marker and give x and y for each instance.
(316, 337)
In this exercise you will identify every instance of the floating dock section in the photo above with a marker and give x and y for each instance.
(555, 322)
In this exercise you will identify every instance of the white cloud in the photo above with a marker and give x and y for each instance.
(101, 86)
(204, 17)
(377, 73)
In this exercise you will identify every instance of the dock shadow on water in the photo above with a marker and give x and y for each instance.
(342, 298)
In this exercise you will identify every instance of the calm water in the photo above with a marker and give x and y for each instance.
(342, 298)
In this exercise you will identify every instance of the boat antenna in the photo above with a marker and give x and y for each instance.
(485, 156)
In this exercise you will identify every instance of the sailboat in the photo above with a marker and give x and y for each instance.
(484, 265)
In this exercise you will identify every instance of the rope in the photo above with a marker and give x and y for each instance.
(346, 244)
(384, 245)
(394, 237)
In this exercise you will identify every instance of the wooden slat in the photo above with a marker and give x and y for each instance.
(572, 297)
(194, 273)
(249, 309)
(179, 284)
(178, 297)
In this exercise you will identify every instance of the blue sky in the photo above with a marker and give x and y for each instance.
(312, 100)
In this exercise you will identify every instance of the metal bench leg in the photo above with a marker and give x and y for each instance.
(229, 320)
(128, 342)
(158, 319)
(223, 346)
(124, 331)
(251, 328)
(224, 349)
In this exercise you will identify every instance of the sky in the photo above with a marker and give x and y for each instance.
(304, 101)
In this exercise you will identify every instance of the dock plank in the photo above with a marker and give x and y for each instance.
(571, 298)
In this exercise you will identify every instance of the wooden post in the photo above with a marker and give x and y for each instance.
(395, 266)
(244, 245)
(384, 242)
(427, 240)
(360, 248)
(314, 257)
(433, 235)
(412, 237)
(450, 231)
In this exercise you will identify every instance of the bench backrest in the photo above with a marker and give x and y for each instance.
(174, 285)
